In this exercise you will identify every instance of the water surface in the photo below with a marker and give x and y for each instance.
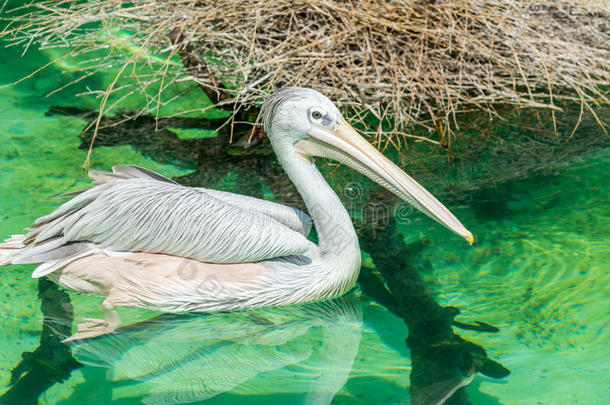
(538, 271)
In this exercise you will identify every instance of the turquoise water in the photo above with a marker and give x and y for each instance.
(538, 271)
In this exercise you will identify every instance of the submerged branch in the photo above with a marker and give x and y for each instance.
(52, 361)
(442, 361)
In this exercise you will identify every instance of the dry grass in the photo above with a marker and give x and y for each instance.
(405, 62)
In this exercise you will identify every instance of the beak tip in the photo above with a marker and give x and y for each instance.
(469, 238)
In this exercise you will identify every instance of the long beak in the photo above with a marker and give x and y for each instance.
(344, 144)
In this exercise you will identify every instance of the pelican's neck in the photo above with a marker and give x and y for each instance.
(337, 238)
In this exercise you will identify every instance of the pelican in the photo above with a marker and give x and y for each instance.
(139, 239)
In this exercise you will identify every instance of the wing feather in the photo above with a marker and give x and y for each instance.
(157, 216)
(140, 172)
(291, 217)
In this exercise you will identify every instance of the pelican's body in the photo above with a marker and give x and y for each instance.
(172, 283)
(140, 239)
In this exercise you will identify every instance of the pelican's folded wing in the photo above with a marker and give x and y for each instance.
(291, 217)
(150, 215)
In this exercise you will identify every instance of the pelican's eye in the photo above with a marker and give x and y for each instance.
(319, 117)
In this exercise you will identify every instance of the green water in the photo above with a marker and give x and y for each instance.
(538, 271)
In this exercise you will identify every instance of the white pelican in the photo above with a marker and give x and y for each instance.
(139, 239)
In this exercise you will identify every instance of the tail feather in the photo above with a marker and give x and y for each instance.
(11, 249)
(53, 254)
(30, 252)
(12, 245)
(50, 252)
(51, 266)
(48, 241)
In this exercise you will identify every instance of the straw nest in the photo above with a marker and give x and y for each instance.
(395, 65)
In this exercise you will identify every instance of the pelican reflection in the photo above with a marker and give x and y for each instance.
(172, 359)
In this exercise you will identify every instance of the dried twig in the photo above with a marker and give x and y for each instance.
(404, 62)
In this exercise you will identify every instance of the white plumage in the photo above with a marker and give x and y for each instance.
(146, 215)
(139, 239)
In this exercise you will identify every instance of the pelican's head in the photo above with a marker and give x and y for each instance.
(310, 123)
